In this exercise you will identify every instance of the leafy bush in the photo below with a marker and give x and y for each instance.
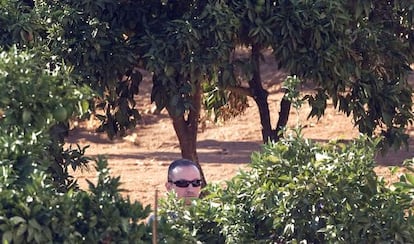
(36, 213)
(38, 98)
(39, 202)
(190, 224)
(298, 190)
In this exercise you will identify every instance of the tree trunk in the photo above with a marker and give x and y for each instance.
(260, 96)
(186, 128)
(283, 116)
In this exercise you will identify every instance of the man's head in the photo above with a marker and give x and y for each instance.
(184, 178)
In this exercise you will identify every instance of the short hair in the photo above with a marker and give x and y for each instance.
(182, 162)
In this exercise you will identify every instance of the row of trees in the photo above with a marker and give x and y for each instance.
(356, 53)
(61, 60)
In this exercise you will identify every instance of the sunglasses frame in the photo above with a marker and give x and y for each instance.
(186, 183)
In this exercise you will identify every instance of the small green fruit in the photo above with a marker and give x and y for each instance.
(69, 110)
(60, 114)
(260, 2)
(26, 116)
(5, 100)
(84, 105)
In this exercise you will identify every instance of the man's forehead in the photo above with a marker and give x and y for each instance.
(190, 170)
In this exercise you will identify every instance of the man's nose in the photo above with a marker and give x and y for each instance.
(191, 188)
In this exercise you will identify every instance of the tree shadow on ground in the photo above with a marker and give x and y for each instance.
(209, 151)
(89, 135)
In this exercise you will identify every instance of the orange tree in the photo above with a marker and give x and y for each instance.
(39, 200)
(356, 53)
(38, 97)
(182, 43)
(184, 47)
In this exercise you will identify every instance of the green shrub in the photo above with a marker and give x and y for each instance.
(298, 190)
(39, 202)
(37, 213)
(190, 224)
(37, 99)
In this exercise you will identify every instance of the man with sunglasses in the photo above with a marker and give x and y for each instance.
(184, 179)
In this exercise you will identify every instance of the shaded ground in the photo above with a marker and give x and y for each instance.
(142, 158)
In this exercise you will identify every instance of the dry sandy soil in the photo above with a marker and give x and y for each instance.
(141, 159)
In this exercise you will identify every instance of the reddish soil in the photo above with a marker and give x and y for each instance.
(141, 159)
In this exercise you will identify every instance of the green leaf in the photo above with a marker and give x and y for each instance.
(21, 230)
(17, 220)
(33, 223)
(7, 237)
(410, 178)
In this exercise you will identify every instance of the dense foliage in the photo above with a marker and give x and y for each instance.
(39, 201)
(34, 212)
(297, 190)
(55, 56)
(355, 52)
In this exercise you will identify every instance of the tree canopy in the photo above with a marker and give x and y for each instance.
(356, 53)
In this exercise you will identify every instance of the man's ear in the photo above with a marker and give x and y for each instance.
(168, 186)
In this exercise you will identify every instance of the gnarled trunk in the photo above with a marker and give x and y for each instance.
(283, 116)
(260, 96)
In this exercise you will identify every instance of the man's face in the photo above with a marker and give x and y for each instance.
(185, 173)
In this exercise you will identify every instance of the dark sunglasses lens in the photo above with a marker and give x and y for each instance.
(196, 183)
(186, 183)
(182, 183)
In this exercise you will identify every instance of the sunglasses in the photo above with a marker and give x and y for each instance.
(186, 183)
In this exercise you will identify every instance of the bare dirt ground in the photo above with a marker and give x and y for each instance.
(141, 159)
